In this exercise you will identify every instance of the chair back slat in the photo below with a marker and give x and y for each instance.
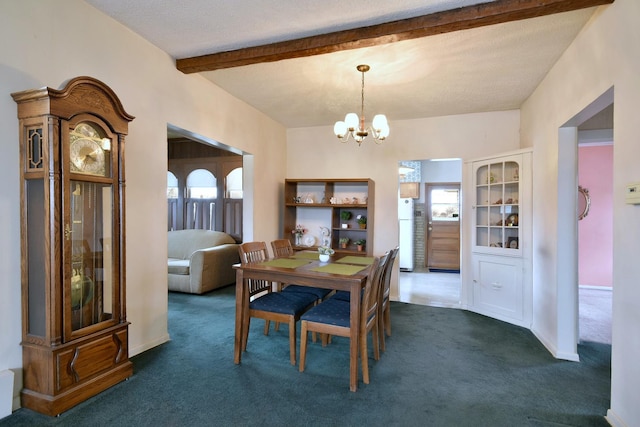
(282, 248)
(372, 289)
(386, 288)
(255, 252)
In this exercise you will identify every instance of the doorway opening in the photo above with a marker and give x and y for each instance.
(438, 284)
(570, 308)
(204, 184)
(595, 227)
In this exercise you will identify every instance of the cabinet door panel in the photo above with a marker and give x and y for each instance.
(497, 286)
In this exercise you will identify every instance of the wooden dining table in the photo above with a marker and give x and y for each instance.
(343, 273)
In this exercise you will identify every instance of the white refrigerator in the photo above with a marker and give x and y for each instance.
(405, 220)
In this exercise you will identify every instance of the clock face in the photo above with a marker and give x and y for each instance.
(85, 152)
(87, 157)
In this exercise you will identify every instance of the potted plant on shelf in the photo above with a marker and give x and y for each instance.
(345, 216)
(362, 221)
(344, 241)
(360, 244)
(324, 253)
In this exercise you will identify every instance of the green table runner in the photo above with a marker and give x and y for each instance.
(364, 260)
(286, 262)
(347, 270)
(306, 255)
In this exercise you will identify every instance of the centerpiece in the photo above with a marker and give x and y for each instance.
(324, 253)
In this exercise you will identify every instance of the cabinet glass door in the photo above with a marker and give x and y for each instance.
(90, 270)
(497, 205)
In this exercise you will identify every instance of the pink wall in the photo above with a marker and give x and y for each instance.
(595, 231)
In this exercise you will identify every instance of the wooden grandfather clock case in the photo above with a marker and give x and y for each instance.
(74, 324)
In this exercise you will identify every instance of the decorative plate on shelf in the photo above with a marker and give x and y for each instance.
(309, 241)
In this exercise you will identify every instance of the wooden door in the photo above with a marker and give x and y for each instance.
(442, 231)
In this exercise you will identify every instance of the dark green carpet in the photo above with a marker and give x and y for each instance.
(442, 367)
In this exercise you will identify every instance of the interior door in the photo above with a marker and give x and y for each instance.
(443, 226)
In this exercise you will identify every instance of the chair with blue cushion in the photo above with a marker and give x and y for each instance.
(384, 306)
(332, 317)
(263, 303)
(281, 249)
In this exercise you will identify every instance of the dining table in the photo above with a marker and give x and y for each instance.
(341, 273)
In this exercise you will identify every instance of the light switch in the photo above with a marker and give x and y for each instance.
(632, 196)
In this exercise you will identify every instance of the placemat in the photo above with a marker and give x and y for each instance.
(364, 260)
(306, 255)
(286, 262)
(335, 268)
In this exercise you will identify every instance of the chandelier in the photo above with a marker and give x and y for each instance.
(353, 126)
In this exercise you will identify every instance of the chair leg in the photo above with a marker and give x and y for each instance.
(267, 324)
(245, 333)
(375, 335)
(292, 340)
(325, 339)
(381, 327)
(364, 358)
(303, 344)
(387, 319)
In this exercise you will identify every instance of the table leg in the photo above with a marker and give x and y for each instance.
(355, 334)
(240, 295)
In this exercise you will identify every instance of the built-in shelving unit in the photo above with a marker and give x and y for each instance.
(318, 204)
(500, 259)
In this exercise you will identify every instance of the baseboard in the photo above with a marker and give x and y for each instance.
(6, 393)
(149, 345)
(614, 419)
(597, 288)
(572, 357)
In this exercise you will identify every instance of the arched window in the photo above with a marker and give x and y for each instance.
(234, 184)
(201, 184)
(172, 186)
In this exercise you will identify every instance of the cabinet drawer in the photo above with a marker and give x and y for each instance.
(86, 360)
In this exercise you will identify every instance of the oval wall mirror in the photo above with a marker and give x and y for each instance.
(584, 202)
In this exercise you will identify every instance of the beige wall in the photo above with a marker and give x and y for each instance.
(606, 54)
(46, 43)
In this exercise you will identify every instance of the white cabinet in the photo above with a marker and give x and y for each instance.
(498, 243)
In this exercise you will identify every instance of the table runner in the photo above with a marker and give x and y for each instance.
(286, 262)
(344, 269)
(364, 260)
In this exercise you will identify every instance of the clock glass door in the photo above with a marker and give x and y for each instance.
(91, 275)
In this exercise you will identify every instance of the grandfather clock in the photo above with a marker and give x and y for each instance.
(74, 326)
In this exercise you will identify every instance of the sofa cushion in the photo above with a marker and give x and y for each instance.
(182, 243)
(178, 266)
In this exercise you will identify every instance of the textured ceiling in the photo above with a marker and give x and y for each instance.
(484, 69)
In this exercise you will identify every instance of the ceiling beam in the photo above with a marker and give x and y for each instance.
(464, 18)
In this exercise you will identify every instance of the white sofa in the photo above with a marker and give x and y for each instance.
(201, 260)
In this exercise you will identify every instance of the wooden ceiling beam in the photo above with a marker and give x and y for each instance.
(464, 18)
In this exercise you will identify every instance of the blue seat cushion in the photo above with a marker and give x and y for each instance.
(342, 295)
(320, 293)
(290, 303)
(345, 296)
(332, 312)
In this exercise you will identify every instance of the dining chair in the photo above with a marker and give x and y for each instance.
(332, 317)
(384, 307)
(281, 249)
(263, 303)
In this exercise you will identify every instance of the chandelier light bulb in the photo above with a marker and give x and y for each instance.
(352, 121)
(340, 129)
